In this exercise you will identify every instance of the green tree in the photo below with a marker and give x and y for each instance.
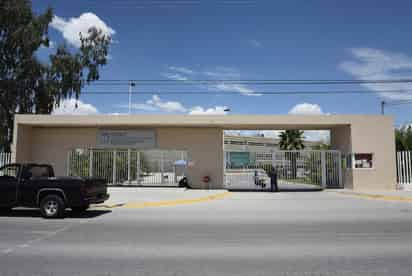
(291, 140)
(403, 138)
(31, 85)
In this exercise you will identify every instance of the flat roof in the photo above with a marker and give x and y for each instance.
(221, 121)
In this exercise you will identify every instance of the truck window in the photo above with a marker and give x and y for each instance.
(39, 171)
(10, 171)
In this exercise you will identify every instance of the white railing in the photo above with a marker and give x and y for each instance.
(5, 158)
(129, 166)
(404, 169)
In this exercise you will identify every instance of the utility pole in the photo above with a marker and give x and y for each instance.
(383, 107)
(131, 85)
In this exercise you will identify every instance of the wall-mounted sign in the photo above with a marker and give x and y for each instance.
(145, 138)
(363, 160)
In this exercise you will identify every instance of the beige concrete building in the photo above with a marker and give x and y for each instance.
(368, 139)
(257, 143)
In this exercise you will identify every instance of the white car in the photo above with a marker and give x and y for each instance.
(247, 179)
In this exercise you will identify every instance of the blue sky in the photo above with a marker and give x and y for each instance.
(245, 39)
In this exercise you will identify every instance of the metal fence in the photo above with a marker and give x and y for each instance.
(309, 167)
(129, 166)
(404, 169)
(5, 158)
(300, 169)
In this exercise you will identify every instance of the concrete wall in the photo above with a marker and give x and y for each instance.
(204, 146)
(205, 150)
(378, 137)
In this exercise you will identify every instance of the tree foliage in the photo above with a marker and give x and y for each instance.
(403, 138)
(31, 85)
(291, 140)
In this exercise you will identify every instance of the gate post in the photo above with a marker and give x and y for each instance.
(323, 167)
(90, 163)
(137, 167)
(69, 154)
(114, 168)
(340, 169)
(128, 165)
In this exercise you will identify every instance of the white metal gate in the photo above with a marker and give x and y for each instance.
(308, 167)
(300, 169)
(404, 169)
(5, 158)
(129, 166)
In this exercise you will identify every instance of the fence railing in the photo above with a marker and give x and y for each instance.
(5, 158)
(129, 166)
(404, 169)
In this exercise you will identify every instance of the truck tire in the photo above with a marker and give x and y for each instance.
(80, 209)
(52, 206)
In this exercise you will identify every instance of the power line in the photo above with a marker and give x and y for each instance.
(250, 81)
(246, 81)
(254, 92)
(402, 102)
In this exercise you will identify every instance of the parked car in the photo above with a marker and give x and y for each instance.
(247, 179)
(34, 185)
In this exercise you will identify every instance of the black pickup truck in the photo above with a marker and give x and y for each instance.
(34, 185)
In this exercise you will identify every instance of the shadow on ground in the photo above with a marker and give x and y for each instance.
(34, 213)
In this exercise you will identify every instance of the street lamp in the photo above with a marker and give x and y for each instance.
(131, 85)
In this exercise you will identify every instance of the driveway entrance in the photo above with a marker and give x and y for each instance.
(295, 170)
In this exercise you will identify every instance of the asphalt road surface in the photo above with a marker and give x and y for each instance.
(301, 233)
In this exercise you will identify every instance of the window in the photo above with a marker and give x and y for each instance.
(363, 160)
(39, 171)
(10, 171)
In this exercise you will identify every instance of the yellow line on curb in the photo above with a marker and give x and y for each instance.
(136, 205)
(378, 197)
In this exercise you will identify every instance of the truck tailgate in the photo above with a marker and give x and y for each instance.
(95, 187)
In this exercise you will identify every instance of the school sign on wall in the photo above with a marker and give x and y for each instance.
(145, 139)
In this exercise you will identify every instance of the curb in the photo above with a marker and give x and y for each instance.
(138, 205)
(377, 197)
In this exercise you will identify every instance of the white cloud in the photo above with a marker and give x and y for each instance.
(75, 107)
(217, 110)
(311, 109)
(72, 27)
(168, 106)
(235, 87)
(223, 73)
(255, 43)
(175, 76)
(218, 73)
(306, 109)
(182, 70)
(375, 64)
(157, 104)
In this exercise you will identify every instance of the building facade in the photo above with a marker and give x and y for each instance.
(49, 139)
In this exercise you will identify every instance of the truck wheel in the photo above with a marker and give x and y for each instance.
(52, 206)
(80, 209)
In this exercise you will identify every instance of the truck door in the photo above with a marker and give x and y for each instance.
(8, 184)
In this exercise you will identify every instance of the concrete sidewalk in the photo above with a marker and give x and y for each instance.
(397, 195)
(124, 195)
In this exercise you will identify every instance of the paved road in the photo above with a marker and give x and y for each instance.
(312, 233)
